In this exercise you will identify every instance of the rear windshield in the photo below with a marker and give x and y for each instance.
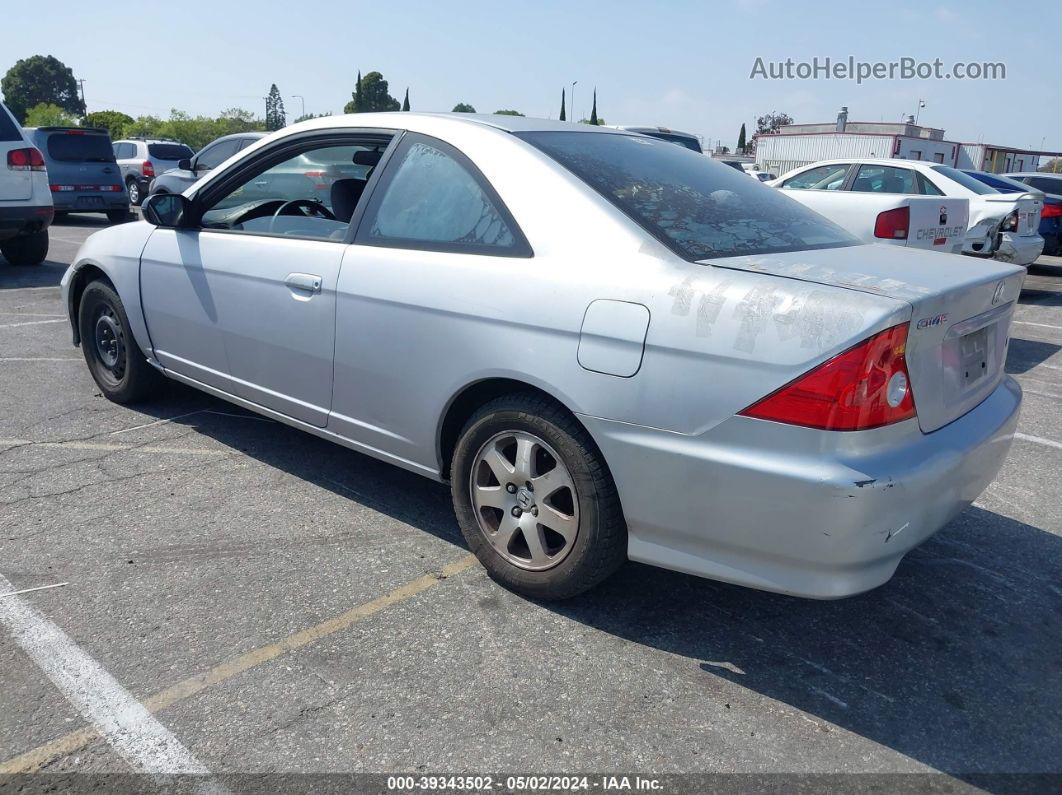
(697, 207)
(1002, 184)
(9, 131)
(968, 182)
(169, 151)
(80, 148)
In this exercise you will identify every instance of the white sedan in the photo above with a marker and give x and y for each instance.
(1003, 226)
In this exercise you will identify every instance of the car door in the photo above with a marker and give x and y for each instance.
(245, 301)
(435, 236)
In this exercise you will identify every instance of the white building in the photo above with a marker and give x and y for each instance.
(797, 145)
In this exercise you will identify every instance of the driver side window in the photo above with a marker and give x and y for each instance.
(312, 194)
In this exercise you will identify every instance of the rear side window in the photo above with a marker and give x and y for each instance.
(968, 182)
(820, 178)
(80, 148)
(696, 207)
(9, 131)
(884, 179)
(433, 199)
(169, 151)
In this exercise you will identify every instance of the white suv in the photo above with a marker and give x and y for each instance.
(25, 198)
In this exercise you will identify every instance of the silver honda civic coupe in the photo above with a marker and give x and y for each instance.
(611, 347)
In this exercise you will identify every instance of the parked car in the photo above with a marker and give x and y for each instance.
(82, 174)
(932, 223)
(688, 140)
(762, 176)
(1045, 182)
(1051, 186)
(610, 346)
(212, 155)
(25, 201)
(1051, 215)
(142, 159)
(1001, 226)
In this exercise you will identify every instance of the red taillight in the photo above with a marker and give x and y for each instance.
(147, 169)
(893, 224)
(28, 159)
(865, 387)
(1052, 211)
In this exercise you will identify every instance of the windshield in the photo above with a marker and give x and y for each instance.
(697, 207)
(968, 182)
(169, 151)
(78, 147)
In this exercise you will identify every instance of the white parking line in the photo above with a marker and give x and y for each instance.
(1038, 440)
(112, 447)
(33, 323)
(1041, 325)
(120, 719)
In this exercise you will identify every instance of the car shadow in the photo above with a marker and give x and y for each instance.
(48, 274)
(954, 663)
(1024, 355)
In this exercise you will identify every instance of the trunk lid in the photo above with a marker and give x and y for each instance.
(961, 308)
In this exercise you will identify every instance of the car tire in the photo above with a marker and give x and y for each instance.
(133, 188)
(113, 357)
(579, 536)
(27, 249)
(118, 216)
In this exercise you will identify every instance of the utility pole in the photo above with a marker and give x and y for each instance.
(572, 100)
(81, 82)
(303, 101)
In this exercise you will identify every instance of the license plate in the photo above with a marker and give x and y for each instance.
(89, 201)
(973, 348)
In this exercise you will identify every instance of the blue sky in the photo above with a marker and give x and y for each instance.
(680, 64)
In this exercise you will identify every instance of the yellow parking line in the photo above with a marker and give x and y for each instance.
(31, 761)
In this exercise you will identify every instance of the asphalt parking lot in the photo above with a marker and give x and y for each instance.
(281, 604)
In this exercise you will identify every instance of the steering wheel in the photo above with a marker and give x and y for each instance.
(309, 206)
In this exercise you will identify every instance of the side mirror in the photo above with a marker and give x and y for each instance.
(169, 210)
(184, 164)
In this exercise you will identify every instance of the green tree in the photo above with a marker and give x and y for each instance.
(38, 79)
(463, 107)
(405, 102)
(768, 123)
(46, 114)
(563, 117)
(507, 113)
(370, 95)
(113, 121)
(741, 139)
(275, 117)
(593, 111)
(309, 116)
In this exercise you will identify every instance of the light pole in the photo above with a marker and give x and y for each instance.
(921, 104)
(572, 100)
(302, 100)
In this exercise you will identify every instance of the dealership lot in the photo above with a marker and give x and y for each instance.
(278, 603)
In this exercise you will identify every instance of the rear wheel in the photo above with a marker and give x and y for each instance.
(133, 187)
(113, 357)
(27, 249)
(534, 499)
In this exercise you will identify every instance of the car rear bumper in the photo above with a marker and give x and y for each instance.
(798, 511)
(1019, 250)
(90, 202)
(16, 221)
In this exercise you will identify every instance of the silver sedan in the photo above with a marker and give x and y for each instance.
(611, 347)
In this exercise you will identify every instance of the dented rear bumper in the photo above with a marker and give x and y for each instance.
(795, 510)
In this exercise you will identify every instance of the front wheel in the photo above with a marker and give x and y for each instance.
(113, 356)
(534, 499)
(27, 249)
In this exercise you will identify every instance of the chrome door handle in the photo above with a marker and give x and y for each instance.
(306, 282)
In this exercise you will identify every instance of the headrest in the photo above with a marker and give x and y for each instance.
(367, 157)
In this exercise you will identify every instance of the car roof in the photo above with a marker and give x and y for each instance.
(402, 119)
(653, 128)
(1032, 174)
